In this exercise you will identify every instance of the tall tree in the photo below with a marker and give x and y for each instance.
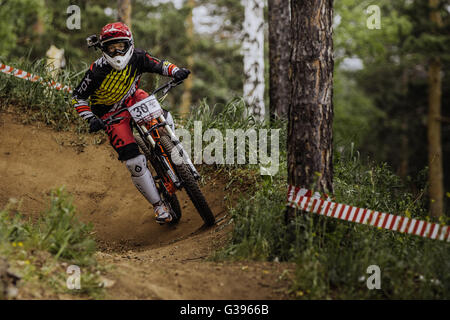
(436, 187)
(124, 11)
(186, 98)
(253, 50)
(279, 57)
(311, 109)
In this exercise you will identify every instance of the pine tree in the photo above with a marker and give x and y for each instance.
(311, 109)
(436, 174)
(279, 57)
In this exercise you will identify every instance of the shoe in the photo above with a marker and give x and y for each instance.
(162, 213)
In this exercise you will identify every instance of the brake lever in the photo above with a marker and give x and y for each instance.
(171, 85)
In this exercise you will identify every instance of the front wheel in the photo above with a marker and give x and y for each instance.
(190, 184)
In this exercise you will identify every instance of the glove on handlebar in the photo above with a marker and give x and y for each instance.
(95, 124)
(181, 74)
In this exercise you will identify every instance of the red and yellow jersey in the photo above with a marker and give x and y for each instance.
(107, 88)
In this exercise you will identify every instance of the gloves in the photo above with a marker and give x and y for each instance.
(181, 74)
(95, 124)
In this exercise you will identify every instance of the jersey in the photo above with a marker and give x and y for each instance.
(108, 88)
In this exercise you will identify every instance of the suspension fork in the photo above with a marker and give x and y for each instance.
(180, 149)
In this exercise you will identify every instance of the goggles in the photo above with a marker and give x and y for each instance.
(116, 48)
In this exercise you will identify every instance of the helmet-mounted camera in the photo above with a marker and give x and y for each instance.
(92, 41)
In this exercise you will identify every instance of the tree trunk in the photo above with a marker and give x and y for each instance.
(186, 98)
(124, 12)
(253, 51)
(310, 148)
(404, 137)
(436, 187)
(279, 58)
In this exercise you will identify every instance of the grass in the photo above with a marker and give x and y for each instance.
(40, 251)
(35, 101)
(233, 116)
(332, 257)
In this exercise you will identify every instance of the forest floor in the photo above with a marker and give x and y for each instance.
(147, 261)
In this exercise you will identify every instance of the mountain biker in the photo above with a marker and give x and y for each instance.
(111, 83)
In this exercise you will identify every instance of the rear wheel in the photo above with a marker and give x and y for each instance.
(170, 200)
(190, 184)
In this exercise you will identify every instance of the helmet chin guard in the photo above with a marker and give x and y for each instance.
(119, 62)
(117, 32)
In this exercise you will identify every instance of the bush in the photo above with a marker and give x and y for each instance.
(62, 234)
(332, 256)
(57, 231)
(40, 251)
(38, 101)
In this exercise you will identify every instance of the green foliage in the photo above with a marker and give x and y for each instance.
(57, 231)
(62, 234)
(374, 186)
(36, 101)
(232, 115)
(354, 112)
(16, 18)
(353, 38)
(39, 246)
(386, 101)
(332, 256)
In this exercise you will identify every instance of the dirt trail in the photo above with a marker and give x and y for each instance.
(150, 261)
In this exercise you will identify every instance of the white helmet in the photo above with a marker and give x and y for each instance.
(113, 33)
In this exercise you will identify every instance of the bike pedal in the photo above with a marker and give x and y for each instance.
(167, 220)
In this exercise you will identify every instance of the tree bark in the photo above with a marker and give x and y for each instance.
(435, 179)
(124, 11)
(310, 148)
(253, 51)
(279, 58)
(404, 137)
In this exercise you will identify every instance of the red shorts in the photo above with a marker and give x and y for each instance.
(120, 135)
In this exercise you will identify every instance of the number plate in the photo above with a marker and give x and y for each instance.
(146, 110)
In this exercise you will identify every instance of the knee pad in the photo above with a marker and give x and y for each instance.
(137, 165)
(128, 151)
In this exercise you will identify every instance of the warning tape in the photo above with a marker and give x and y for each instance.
(33, 78)
(303, 199)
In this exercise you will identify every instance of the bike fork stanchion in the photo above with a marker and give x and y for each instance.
(180, 149)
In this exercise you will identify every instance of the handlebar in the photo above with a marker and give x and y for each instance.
(165, 88)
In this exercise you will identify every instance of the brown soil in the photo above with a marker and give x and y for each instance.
(150, 261)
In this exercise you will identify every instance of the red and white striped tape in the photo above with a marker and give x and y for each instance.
(33, 78)
(303, 199)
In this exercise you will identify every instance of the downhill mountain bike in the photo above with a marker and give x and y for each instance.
(164, 152)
